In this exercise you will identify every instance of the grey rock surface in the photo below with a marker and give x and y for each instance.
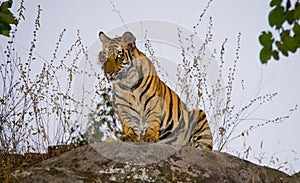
(121, 162)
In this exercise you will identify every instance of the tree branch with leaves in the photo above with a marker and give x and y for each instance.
(285, 20)
(6, 18)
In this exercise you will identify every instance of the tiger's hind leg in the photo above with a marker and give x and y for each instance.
(201, 135)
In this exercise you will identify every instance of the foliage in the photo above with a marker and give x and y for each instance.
(37, 108)
(6, 18)
(103, 120)
(285, 20)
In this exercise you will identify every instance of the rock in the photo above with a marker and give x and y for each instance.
(128, 162)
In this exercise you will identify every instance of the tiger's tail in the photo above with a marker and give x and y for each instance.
(201, 136)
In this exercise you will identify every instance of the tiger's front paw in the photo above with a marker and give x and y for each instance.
(150, 135)
(129, 136)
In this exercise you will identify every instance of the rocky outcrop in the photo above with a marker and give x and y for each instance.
(122, 162)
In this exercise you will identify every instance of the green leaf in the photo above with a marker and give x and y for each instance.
(4, 33)
(4, 26)
(297, 40)
(266, 39)
(290, 17)
(275, 55)
(5, 5)
(284, 34)
(6, 18)
(4, 29)
(282, 48)
(277, 17)
(296, 28)
(297, 11)
(265, 55)
(275, 3)
(290, 44)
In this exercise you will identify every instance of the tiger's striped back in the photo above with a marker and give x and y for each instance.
(149, 110)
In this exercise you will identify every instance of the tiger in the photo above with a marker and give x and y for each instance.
(148, 109)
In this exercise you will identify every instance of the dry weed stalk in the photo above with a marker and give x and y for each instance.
(37, 105)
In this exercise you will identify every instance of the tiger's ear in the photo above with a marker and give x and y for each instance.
(128, 39)
(103, 38)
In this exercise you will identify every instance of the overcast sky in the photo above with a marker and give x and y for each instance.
(229, 18)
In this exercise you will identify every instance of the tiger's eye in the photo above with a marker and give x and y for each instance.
(119, 55)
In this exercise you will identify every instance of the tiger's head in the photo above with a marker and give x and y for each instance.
(116, 55)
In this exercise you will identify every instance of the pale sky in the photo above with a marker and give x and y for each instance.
(229, 18)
